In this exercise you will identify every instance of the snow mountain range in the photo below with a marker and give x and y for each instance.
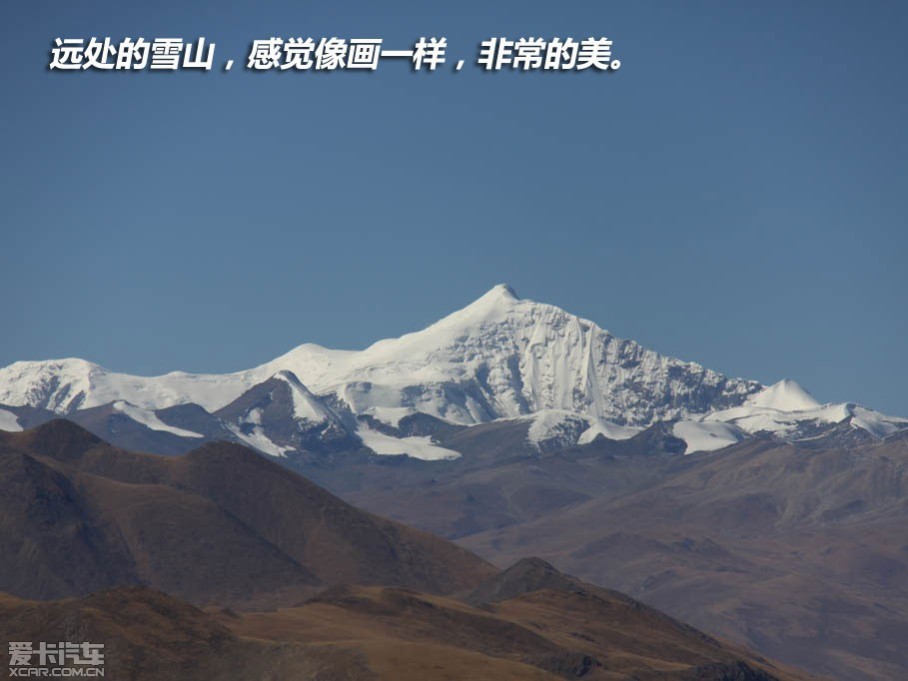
(500, 359)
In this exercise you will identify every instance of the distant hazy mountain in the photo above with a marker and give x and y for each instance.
(797, 550)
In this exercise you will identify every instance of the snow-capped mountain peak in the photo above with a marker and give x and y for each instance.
(787, 410)
(58, 385)
(499, 357)
(491, 308)
(786, 395)
(505, 357)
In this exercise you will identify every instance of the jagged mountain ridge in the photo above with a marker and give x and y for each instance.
(500, 357)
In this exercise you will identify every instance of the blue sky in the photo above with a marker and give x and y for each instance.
(735, 195)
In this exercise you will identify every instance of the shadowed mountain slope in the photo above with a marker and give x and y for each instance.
(221, 523)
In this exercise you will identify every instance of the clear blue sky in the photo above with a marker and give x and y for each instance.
(735, 195)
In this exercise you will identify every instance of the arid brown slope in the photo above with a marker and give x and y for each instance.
(220, 524)
(548, 627)
(800, 552)
(149, 636)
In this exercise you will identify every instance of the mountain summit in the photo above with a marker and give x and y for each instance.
(500, 357)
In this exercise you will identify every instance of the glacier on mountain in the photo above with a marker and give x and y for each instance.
(9, 422)
(150, 420)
